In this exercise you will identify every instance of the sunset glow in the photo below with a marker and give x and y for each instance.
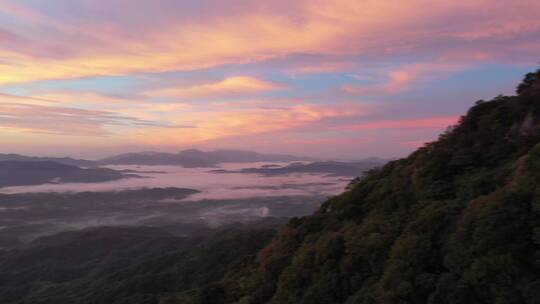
(91, 78)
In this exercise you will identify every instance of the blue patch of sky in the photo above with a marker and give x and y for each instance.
(107, 85)
(493, 79)
(454, 94)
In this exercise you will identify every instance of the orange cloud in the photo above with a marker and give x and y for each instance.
(404, 78)
(229, 87)
(168, 124)
(46, 116)
(52, 120)
(92, 46)
(222, 124)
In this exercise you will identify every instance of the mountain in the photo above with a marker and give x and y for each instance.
(61, 160)
(195, 158)
(458, 221)
(187, 158)
(19, 173)
(346, 169)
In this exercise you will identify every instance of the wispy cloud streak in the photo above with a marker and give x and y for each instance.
(38, 118)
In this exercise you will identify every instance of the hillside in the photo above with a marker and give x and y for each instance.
(458, 221)
(121, 264)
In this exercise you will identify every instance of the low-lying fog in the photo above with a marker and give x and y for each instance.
(28, 212)
(211, 185)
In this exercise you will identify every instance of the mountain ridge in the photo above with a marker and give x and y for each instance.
(187, 158)
(196, 158)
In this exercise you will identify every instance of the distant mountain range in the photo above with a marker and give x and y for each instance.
(193, 158)
(186, 158)
(196, 158)
(348, 169)
(21, 170)
(26, 173)
(61, 160)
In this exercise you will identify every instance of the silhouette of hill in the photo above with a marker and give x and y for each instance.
(18, 173)
(61, 160)
(347, 169)
(196, 158)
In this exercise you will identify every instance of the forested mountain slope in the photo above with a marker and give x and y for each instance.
(458, 221)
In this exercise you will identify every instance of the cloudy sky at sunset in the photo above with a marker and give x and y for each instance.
(346, 79)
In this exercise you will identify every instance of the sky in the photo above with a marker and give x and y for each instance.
(342, 79)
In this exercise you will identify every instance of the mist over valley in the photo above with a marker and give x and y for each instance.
(50, 197)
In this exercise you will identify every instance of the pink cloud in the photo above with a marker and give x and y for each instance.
(138, 38)
(358, 140)
(425, 123)
(405, 78)
(35, 115)
(222, 123)
(414, 143)
(124, 41)
(20, 11)
(234, 86)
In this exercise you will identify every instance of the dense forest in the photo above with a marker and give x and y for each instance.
(458, 221)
